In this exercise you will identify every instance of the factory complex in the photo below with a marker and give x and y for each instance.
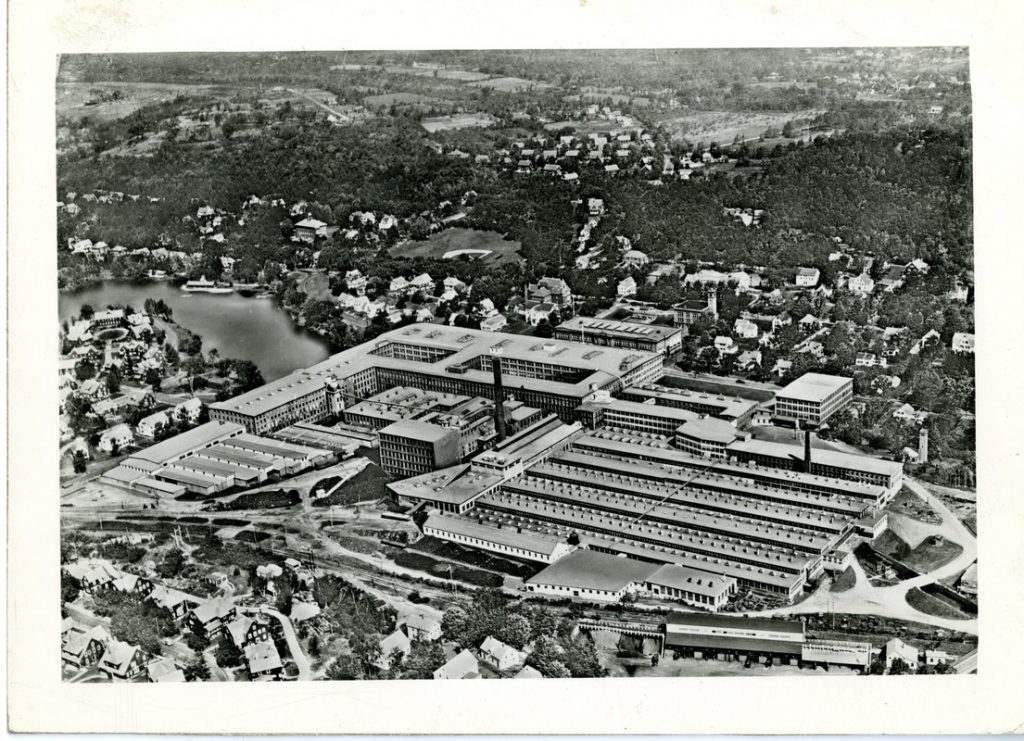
(562, 453)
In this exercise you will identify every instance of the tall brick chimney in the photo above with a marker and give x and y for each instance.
(807, 449)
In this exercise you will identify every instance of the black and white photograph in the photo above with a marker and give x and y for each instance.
(446, 359)
(516, 364)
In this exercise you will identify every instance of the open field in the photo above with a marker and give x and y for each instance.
(583, 128)
(931, 604)
(498, 249)
(908, 503)
(844, 581)
(458, 121)
(724, 126)
(931, 553)
(512, 84)
(403, 99)
(73, 98)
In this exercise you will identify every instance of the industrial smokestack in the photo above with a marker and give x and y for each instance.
(499, 396)
(807, 450)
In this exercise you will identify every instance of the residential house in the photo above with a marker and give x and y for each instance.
(210, 618)
(119, 438)
(870, 360)
(725, 345)
(94, 576)
(308, 230)
(635, 259)
(748, 359)
(897, 649)
(127, 583)
(809, 322)
(494, 323)
(934, 657)
(549, 290)
(122, 660)
(396, 641)
(179, 603)
(528, 672)
(82, 646)
(150, 426)
(745, 329)
(862, 283)
(963, 342)
(925, 340)
(422, 282)
(782, 320)
(245, 630)
(500, 655)
(463, 666)
(959, 292)
(422, 628)
(398, 284)
(164, 670)
(538, 313)
(93, 390)
(627, 287)
(188, 411)
(355, 282)
(264, 661)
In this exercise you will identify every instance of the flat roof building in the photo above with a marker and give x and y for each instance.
(813, 398)
(655, 338)
(410, 448)
(552, 375)
(823, 462)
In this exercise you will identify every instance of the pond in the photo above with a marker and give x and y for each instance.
(245, 328)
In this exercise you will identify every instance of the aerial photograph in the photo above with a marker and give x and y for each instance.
(516, 364)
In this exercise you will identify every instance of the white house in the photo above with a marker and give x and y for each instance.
(535, 314)
(422, 628)
(121, 436)
(725, 345)
(807, 277)
(963, 342)
(397, 641)
(627, 287)
(189, 410)
(400, 283)
(745, 328)
(462, 666)
(149, 426)
(862, 283)
(897, 649)
(494, 323)
(500, 655)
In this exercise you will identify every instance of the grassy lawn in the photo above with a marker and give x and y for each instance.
(726, 389)
(934, 605)
(265, 500)
(844, 581)
(473, 557)
(932, 553)
(908, 503)
(436, 245)
(891, 544)
(365, 486)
